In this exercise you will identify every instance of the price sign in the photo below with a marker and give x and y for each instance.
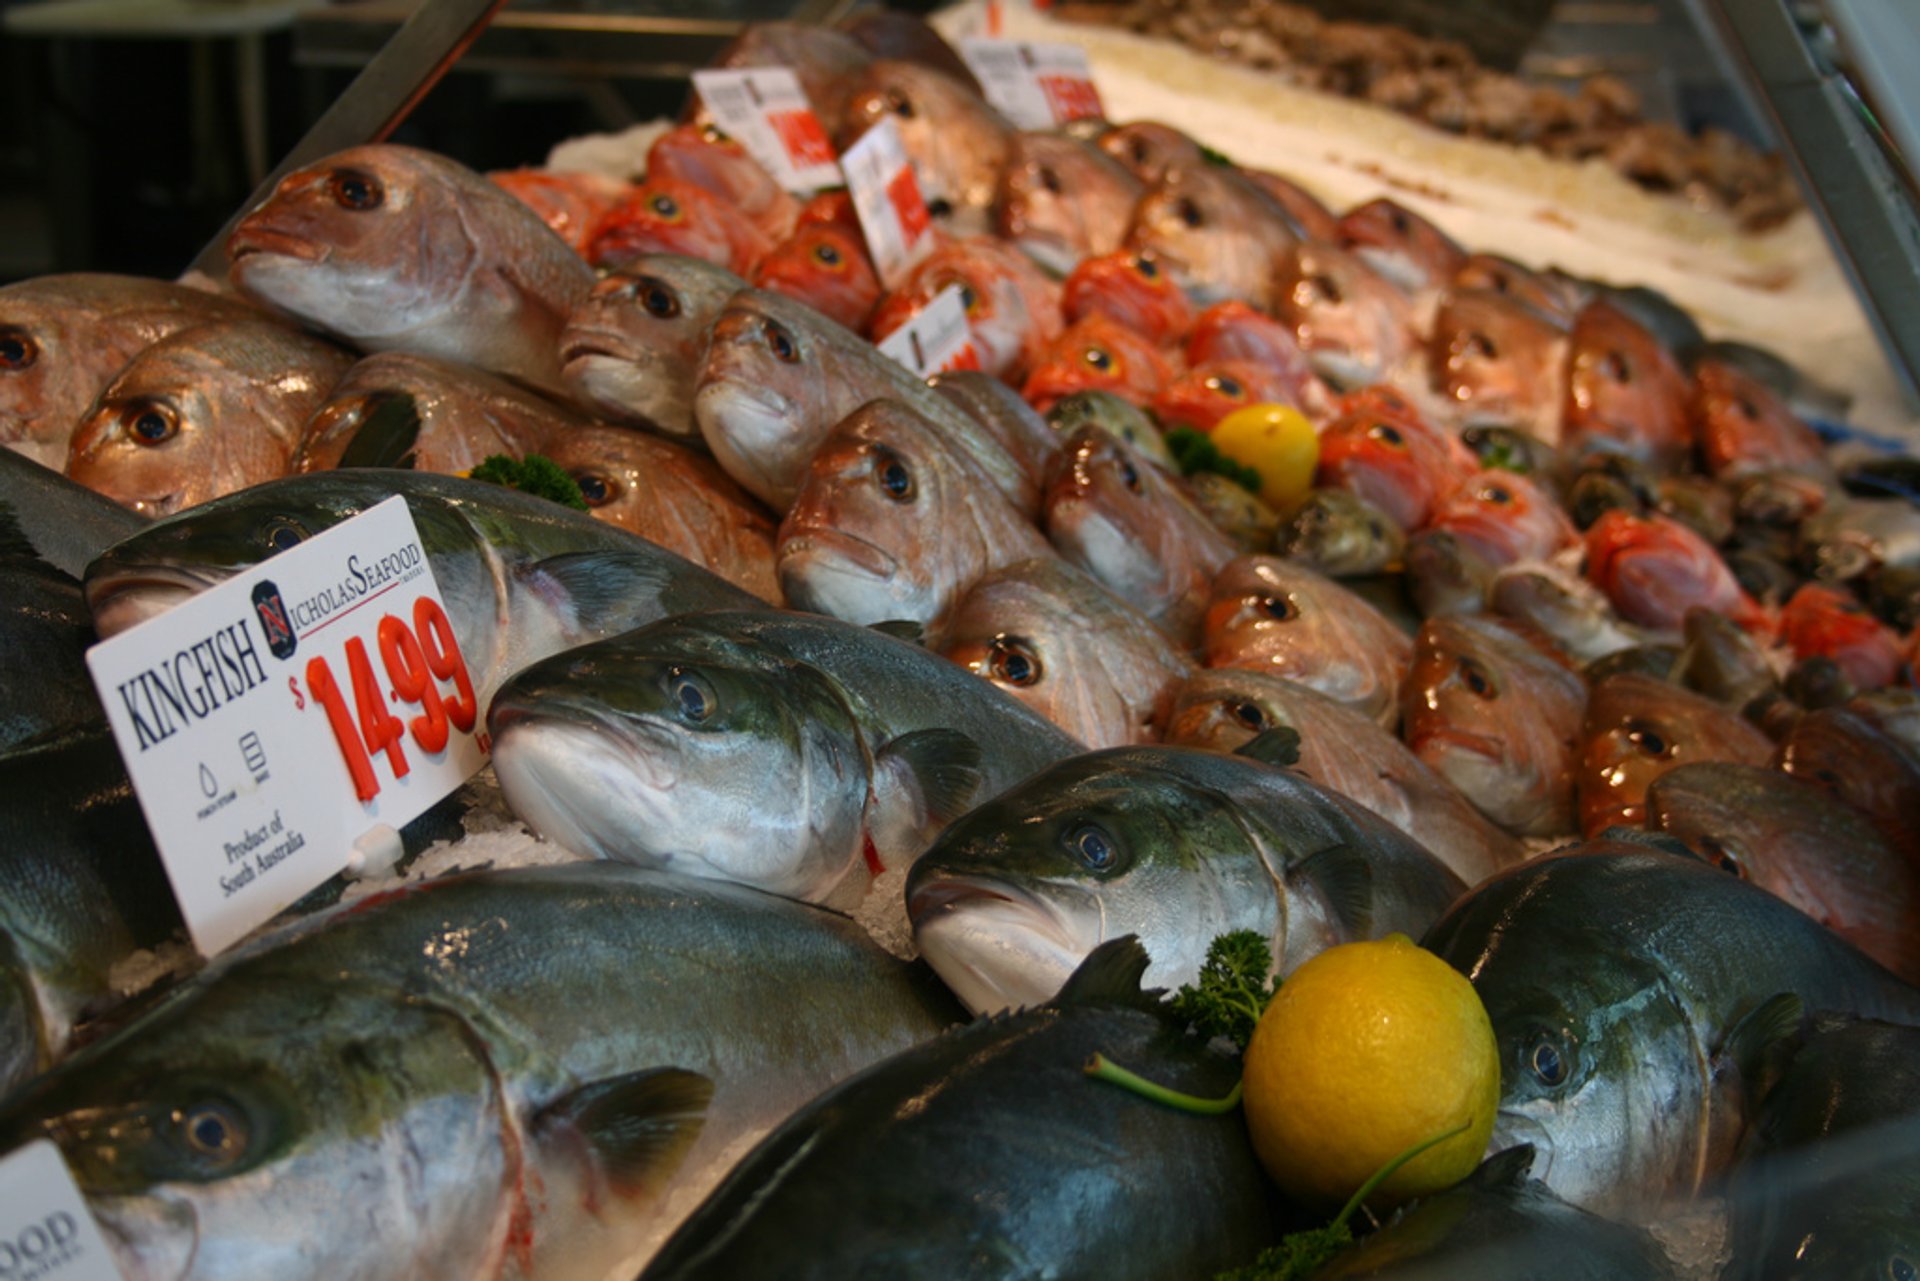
(46, 1232)
(767, 110)
(1037, 86)
(270, 722)
(936, 338)
(886, 198)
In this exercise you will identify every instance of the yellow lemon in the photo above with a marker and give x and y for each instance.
(1368, 1049)
(1275, 440)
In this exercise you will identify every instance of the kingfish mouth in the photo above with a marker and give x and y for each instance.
(994, 944)
(1510, 1128)
(122, 599)
(580, 780)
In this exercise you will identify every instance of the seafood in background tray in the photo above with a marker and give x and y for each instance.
(1723, 661)
(1149, 149)
(824, 265)
(1062, 200)
(1637, 728)
(1216, 230)
(1126, 522)
(1052, 637)
(1132, 289)
(1235, 331)
(1800, 843)
(1828, 622)
(1499, 361)
(1503, 517)
(458, 1068)
(1096, 353)
(824, 60)
(1034, 1170)
(1397, 462)
(203, 413)
(1632, 991)
(1354, 325)
(1013, 311)
(778, 376)
(1740, 425)
(663, 215)
(674, 497)
(1174, 844)
(1625, 391)
(894, 521)
(957, 143)
(1826, 1185)
(1654, 569)
(631, 350)
(401, 410)
(1275, 616)
(704, 157)
(521, 576)
(1340, 534)
(1346, 751)
(1208, 392)
(793, 753)
(571, 204)
(396, 249)
(1856, 537)
(64, 338)
(1401, 245)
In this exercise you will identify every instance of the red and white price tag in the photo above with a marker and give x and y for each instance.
(269, 723)
(45, 1228)
(767, 110)
(886, 198)
(1037, 86)
(936, 339)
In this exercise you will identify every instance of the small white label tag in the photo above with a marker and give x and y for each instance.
(46, 1233)
(269, 722)
(767, 110)
(1037, 86)
(936, 339)
(886, 198)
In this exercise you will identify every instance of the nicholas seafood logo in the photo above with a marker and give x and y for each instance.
(272, 610)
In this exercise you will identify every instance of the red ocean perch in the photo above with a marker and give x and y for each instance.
(1097, 354)
(1133, 289)
(1828, 622)
(1654, 569)
(571, 204)
(1013, 310)
(825, 266)
(1207, 393)
(1235, 331)
(1503, 517)
(1396, 461)
(666, 215)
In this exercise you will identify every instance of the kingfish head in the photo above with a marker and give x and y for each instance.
(207, 1137)
(694, 757)
(1012, 897)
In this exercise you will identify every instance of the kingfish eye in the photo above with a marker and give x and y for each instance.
(213, 1131)
(1388, 435)
(1050, 180)
(1615, 366)
(1093, 846)
(826, 254)
(17, 352)
(1646, 738)
(1147, 267)
(1225, 386)
(1280, 607)
(1900, 1268)
(1325, 286)
(782, 344)
(1012, 660)
(355, 190)
(691, 695)
(151, 424)
(1482, 346)
(284, 534)
(894, 477)
(666, 206)
(1548, 1064)
(1250, 715)
(658, 298)
(1499, 495)
(1187, 211)
(595, 488)
(1478, 679)
(1099, 358)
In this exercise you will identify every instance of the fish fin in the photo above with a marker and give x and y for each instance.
(1757, 1048)
(902, 629)
(640, 1125)
(1279, 746)
(1661, 841)
(1344, 879)
(388, 434)
(600, 583)
(944, 765)
(1110, 975)
(14, 543)
(1507, 1168)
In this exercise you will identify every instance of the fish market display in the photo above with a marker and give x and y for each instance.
(1041, 1172)
(790, 752)
(1637, 728)
(957, 143)
(1062, 200)
(471, 1106)
(1013, 311)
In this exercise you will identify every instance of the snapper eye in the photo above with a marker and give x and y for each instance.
(1188, 212)
(667, 207)
(1649, 740)
(150, 423)
(1226, 386)
(827, 256)
(781, 343)
(1281, 608)
(1250, 715)
(284, 534)
(1093, 846)
(1130, 475)
(1388, 435)
(1482, 346)
(893, 476)
(1050, 180)
(1548, 1063)
(1099, 358)
(969, 297)
(1499, 495)
(598, 490)
(17, 352)
(690, 695)
(214, 1132)
(899, 104)
(1478, 679)
(1325, 286)
(1147, 267)
(1615, 366)
(356, 190)
(1013, 661)
(659, 299)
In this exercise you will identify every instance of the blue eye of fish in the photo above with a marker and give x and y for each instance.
(784, 348)
(1093, 846)
(659, 300)
(968, 298)
(1250, 715)
(151, 426)
(284, 534)
(1900, 1268)
(1476, 678)
(357, 191)
(1099, 358)
(690, 694)
(597, 490)
(1647, 739)
(1547, 1064)
(896, 481)
(1014, 662)
(1280, 607)
(17, 351)
(214, 1132)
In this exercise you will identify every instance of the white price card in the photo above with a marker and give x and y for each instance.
(934, 340)
(271, 721)
(1037, 86)
(767, 110)
(886, 198)
(46, 1233)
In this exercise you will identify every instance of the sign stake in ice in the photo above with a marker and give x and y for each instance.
(886, 198)
(270, 723)
(767, 110)
(935, 339)
(1037, 86)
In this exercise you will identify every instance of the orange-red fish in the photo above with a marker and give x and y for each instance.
(703, 157)
(1830, 623)
(1133, 289)
(1013, 310)
(1638, 728)
(1395, 461)
(834, 207)
(1097, 354)
(572, 204)
(1207, 393)
(1654, 569)
(1625, 391)
(1355, 326)
(1740, 425)
(1235, 331)
(666, 215)
(1401, 245)
(826, 267)
(1503, 517)
(1500, 361)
